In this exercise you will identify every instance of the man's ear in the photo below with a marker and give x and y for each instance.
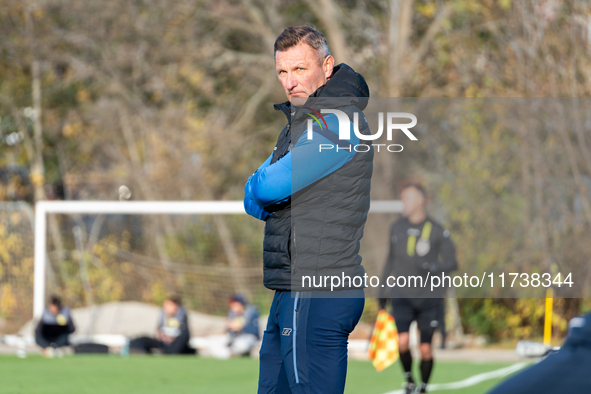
(328, 65)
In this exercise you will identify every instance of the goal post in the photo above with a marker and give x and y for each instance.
(43, 208)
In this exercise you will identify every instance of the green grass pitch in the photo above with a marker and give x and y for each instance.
(189, 374)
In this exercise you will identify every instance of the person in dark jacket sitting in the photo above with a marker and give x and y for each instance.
(54, 327)
(243, 326)
(566, 371)
(172, 334)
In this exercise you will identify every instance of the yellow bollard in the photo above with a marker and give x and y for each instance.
(548, 317)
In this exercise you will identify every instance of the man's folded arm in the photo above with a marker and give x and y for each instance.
(276, 182)
(252, 208)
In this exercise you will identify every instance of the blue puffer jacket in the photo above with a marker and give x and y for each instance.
(316, 230)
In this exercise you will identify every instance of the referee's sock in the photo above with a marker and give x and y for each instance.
(426, 368)
(406, 361)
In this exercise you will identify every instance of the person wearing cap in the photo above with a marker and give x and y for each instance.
(243, 326)
(565, 371)
(54, 327)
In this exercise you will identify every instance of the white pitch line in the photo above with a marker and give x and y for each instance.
(471, 381)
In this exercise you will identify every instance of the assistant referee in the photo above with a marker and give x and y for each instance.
(418, 246)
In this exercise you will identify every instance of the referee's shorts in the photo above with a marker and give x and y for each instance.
(426, 311)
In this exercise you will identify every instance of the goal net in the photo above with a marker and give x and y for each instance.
(16, 265)
(144, 251)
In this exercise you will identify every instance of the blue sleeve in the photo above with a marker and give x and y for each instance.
(266, 162)
(311, 162)
(254, 209)
(272, 184)
(251, 207)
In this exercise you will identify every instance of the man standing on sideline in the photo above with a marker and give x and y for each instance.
(304, 348)
(418, 246)
(54, 327)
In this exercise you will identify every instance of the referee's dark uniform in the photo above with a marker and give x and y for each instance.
(417, 251)
(421, 249)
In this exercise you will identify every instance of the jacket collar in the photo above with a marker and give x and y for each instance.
(285, 108)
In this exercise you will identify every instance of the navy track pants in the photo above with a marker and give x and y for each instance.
(304, 349)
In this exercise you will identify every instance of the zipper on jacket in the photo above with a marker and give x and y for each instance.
(293, 114)
(293, 258)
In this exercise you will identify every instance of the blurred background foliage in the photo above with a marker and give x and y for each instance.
(173, 98)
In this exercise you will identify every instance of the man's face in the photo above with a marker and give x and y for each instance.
(413, 201)
(236, 307)
(170, 308)
(53, 309)
(301, 72)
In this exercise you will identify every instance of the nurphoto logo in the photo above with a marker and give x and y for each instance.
(345, 129)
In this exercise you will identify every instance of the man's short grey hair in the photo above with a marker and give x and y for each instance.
(308, 34)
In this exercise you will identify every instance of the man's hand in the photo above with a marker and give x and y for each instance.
(163, 337)
(255, 210)
(251, 207)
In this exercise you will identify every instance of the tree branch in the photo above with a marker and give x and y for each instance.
(327, 13)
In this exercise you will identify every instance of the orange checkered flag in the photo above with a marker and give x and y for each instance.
(383, 347)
